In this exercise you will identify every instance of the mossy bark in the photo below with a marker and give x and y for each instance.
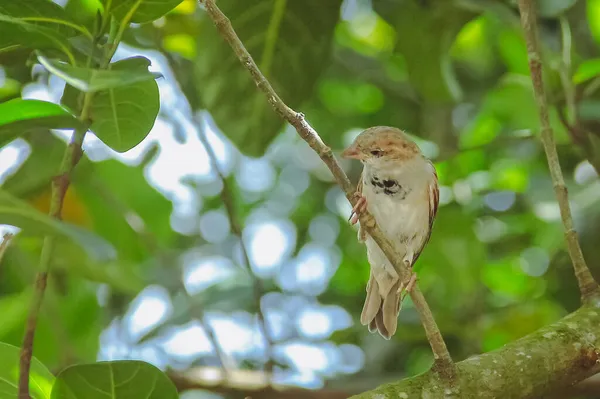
(538, 365)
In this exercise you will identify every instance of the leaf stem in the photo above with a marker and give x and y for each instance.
(443, 361)
(587, 285)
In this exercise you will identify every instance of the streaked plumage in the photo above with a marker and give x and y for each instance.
(401, 191)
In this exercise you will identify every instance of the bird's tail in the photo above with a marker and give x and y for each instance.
(380, 312)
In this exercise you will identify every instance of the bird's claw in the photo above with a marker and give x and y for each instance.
(405, 289)
(359, 208)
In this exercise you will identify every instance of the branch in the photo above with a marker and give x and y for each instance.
(250, 384)
(443, 362)
(587, 285)
(227, 198)
(60, 185)
(536, 366)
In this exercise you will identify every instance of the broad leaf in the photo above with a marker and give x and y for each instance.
(17, 213)
(16, 33)
(147, 10)
(40, 379)
(36, 24)
(289, 41)
(19, 116)
(427, 57)
(43, 13)
(587, 70)
(127, 379)
(124, 115)
(92, 80)
(111, 192)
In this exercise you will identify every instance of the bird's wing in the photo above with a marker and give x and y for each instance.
(362, 234)
(433, 196)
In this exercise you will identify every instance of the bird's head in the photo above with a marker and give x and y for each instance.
(382, 146)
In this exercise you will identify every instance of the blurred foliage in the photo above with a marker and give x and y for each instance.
(452, 73)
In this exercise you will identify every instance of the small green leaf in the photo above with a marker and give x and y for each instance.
(588, 69)
(123, 116)
(18, 213)
(40, 379)
(126, 379)
(267, 28)
(91, 80)
(147, 11)
(19, 116)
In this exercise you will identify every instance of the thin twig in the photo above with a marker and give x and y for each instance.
(587, 285)
(443, 362)
(227, 198)
(4, 244)
(150, 242)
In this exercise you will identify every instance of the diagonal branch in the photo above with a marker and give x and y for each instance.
(443, 362)
(227, 198)
(587, 285)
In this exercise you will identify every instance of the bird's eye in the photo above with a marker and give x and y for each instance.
(377, 153)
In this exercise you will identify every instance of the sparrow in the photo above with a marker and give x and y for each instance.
(399, 188)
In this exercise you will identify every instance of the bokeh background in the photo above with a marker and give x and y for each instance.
(176, 289)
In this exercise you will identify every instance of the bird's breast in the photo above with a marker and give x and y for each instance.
(399, 206)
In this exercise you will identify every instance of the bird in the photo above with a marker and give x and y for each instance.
(399, 188)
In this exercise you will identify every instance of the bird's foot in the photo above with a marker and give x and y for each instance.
(359, 208)
(406, 288)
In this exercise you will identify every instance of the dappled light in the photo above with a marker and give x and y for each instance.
(228, 262)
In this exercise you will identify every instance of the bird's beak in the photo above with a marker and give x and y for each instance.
(352, 153)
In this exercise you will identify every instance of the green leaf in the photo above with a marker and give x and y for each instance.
(427, 58)
(123, 116)
(40, 379)
(36, 24)
(147, 11)
(127, 191)
(14, 308)
(43, 13)
(15, 33)
(126, 379)
(291, 47)
(588, 69)
(18, 213)
(19, 116)
(593, 18)
(92, 80)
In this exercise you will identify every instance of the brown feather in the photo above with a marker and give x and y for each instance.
(433, 197)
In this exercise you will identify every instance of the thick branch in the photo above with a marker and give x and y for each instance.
(443, 361)
(587, 285)
(536, 366)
